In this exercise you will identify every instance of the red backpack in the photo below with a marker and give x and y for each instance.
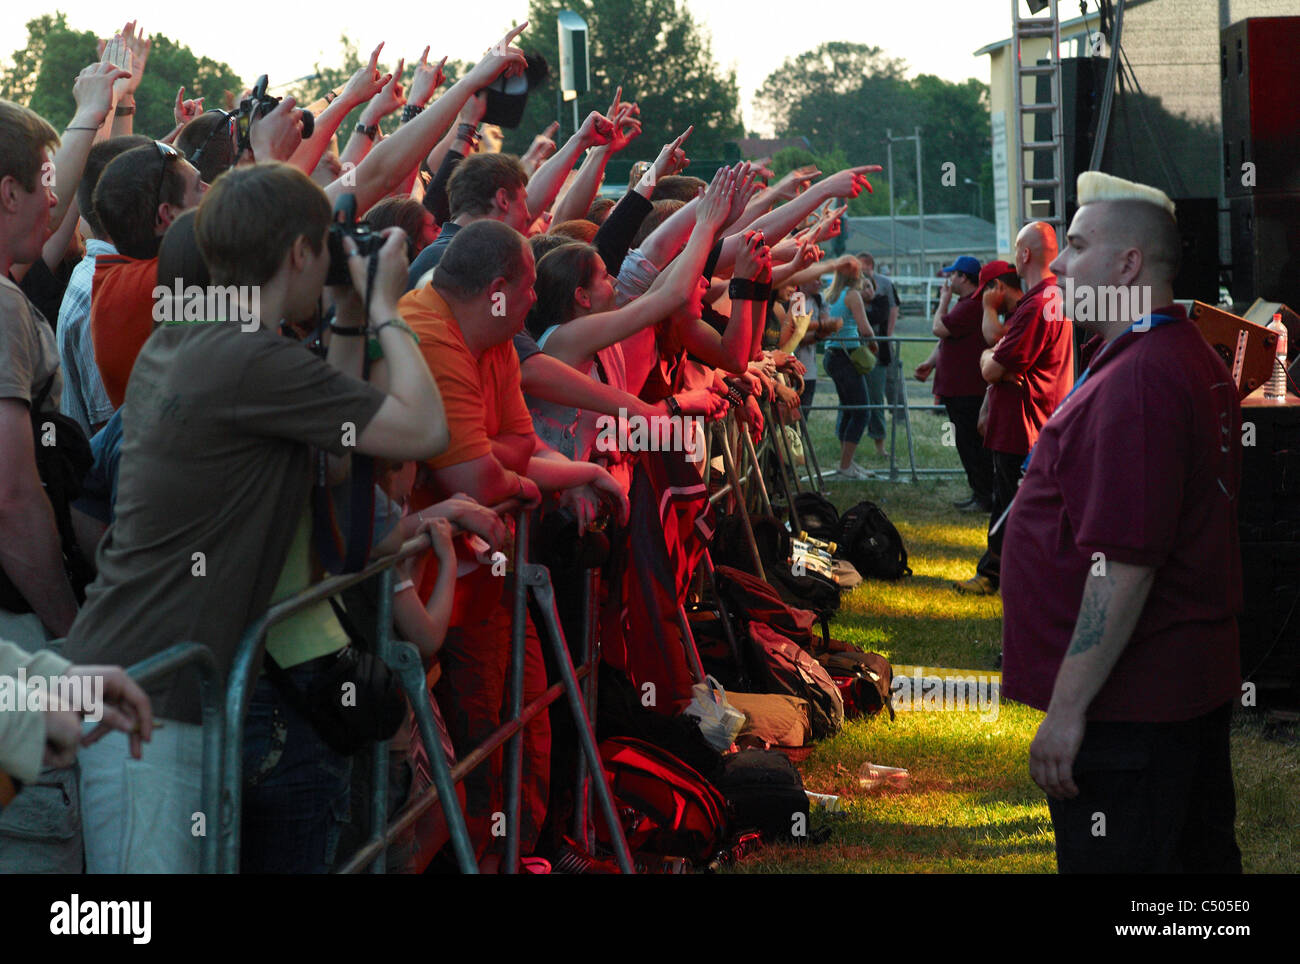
(757, 602)
(785, 668)
(666, 807)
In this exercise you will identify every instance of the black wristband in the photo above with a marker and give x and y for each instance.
(743, 289)
(410, 112)
(348, 330)
(468, 132)
(371, 132)
(674, 406)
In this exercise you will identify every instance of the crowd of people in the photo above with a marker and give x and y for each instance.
(331, 392)
(200, 309)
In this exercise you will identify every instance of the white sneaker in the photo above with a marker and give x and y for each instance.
(856, 471)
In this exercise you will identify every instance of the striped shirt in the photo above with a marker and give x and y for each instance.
(84, 397)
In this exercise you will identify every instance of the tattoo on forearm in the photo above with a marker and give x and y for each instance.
(1091, 625)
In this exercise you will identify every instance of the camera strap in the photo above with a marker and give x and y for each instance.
(339, 554)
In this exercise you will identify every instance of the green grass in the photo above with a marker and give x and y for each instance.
(970, 806)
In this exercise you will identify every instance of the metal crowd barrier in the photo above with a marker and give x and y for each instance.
(896, 368)
(224, 713)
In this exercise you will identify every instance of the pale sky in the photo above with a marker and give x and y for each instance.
(254, 37)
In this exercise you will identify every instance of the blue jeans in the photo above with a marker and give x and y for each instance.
(296, 789)
(852, 389)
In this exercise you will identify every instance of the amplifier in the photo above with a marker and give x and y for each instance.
(1246, 348)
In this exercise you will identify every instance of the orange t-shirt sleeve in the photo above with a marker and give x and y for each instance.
(513, 417)
(121, 318)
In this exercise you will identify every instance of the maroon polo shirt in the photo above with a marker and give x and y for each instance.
(958, 368)
(1040, 352)
(1142, 465)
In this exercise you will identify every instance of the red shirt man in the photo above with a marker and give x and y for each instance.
(1140, 466)
(1039, 350)
(957, 372)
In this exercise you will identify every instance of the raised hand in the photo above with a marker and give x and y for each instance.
(186, 110)
(849, 182)
(715, 206)
(389, 99)
(93, 91)
(473, 111)
(366, 82)
(626, 127)
(672, 158)
(795, 182)
(747, 186)
(138, 45)
(542, 147)
(754, 258)
(501, 58)
(425, 80)
(597, 130)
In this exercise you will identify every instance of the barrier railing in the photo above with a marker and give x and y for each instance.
(893, 408)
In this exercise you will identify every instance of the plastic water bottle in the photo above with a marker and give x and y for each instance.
(872, 775)
(1275, 387)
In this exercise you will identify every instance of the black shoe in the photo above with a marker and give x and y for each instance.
(966, 503)
(975, 505)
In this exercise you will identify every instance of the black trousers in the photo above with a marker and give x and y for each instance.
(1006, 477)
(1153, 798)
(964, 412)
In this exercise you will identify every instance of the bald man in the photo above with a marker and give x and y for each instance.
(1121, 579)
(1029, 370)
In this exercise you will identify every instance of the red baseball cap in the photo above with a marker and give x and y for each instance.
(993, 269)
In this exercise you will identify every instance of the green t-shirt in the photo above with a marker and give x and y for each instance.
(311, 632)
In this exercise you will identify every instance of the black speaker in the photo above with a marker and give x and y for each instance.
(1198, 230)
(1265, 247)
(1260, 75)
(1269, 517)
(1082, 82)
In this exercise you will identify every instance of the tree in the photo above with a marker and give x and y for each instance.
(955, 129)
(844, 97)
(661, 58)
(43, 72)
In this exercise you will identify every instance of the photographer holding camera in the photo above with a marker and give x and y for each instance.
(214, 483)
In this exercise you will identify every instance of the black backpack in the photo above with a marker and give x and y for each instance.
(766, 793)
(818, 516)
(869, 540)
(63, 457)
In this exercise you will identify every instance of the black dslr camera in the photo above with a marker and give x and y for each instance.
(258, 104)
(346, 225)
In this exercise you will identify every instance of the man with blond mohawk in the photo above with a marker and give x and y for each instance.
(1121, 580)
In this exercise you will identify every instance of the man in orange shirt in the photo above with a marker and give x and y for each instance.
(479, 296)
(138, 196)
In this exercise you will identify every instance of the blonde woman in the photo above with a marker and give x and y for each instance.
(846, 300)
